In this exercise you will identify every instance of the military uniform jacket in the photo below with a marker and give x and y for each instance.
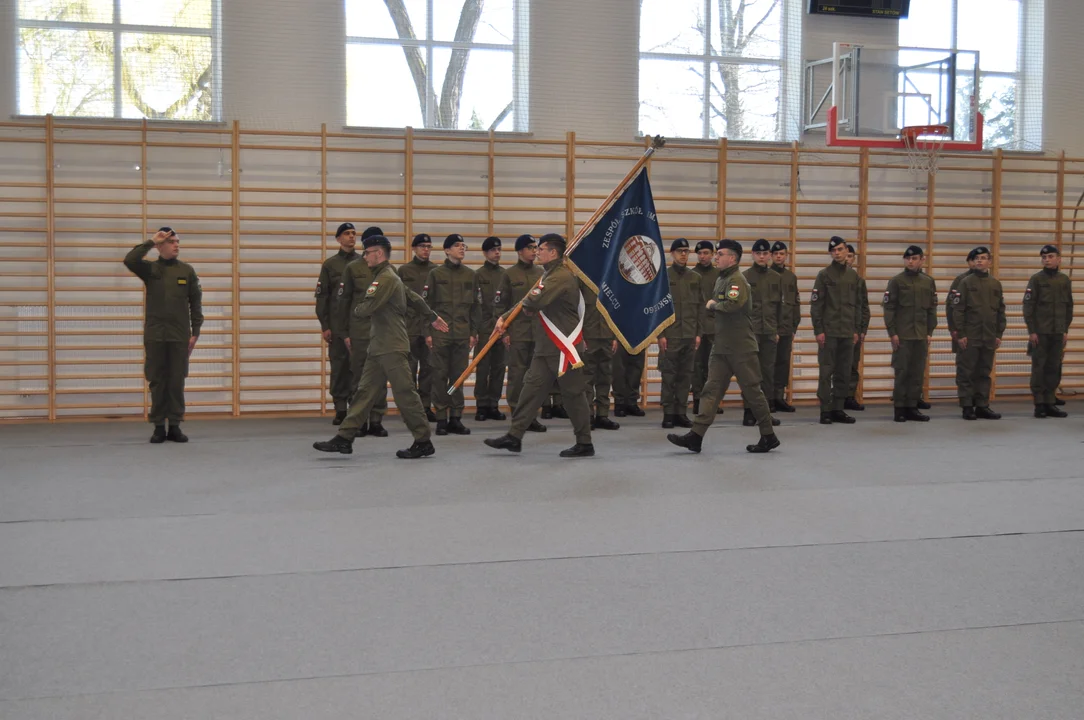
(685, 291)
(951, 301)
(733, 311)
(518, 281)
(863, 306)
(910, 305)
(385, 305)
(450, 293)
(492, 299)
(355, 281)
(558, 295)
(766, 289)
(708, 276)
(414, 275)
(330, 278)
(791, 316)
(595, 328)
(980, 309)
(834, 302)
(1048, 303)
(174, 309)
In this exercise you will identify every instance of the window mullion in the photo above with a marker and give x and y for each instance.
(118, 67)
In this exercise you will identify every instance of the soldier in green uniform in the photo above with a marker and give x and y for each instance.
(950, 306)
(851, 403)
(734, 354)
(452, 295)
(414, 275)
(679, 342)
(766, 290)
(789, 319)
(910, 309)
(522, 336)
(333, 326)
(356, 279)
(979, 312)
(385, 305)
(705, 268)
(489, 375)
(171, 325)
(1048, 312)
(834, 307)
(557, 296)
(597, 360)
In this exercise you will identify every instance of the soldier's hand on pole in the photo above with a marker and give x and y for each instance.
(327, 336)
(820, 339)
(895, 342)
(499, 327)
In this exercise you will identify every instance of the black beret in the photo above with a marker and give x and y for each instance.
(705, 245)
(172, 234)
(421, 238)
(912, 251)
(376, 241)
(371, 231)
(491, 242)
(779, 245)
(679, 244)
(552, 238)
(835, 241)
(452, 240)
(1050, 249)
(734, 245)
(981, 249)
(524, 241)
(762, 246)
(343, 228)
(850, 248)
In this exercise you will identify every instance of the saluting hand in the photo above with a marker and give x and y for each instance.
(160, 237)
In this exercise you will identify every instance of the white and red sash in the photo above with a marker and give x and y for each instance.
(566, 343)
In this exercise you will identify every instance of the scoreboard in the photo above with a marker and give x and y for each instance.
(893, 9)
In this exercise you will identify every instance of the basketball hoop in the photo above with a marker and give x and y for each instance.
(924, 144)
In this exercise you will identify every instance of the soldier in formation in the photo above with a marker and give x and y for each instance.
(766, 291)
(790, 317)
(522, 336)
(492, 302)
(451, 293)
(333, 326)
(705, 268)
(851, 402)
(679, 342)
(910, 312)
(1048, 312)
(834, 307)
(414, 275)
(979, 314)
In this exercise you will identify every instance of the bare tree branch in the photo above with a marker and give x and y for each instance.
(401, 18)
(502, 115)
(452, 91)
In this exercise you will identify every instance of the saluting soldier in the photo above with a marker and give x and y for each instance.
(414, 275)
(834, 308)
(385, 305)
(597, 360)
(172, 319)
(910, 309)
(705, 268)
(766, 291)
(332, 326)
(559, 299)
(678, 343)
(522, 336)
(356, 279)
(980, 316)
(734, 354)
(1048, 312)
(851, 403)
(451, 294)
(489, 375)
(789, 319)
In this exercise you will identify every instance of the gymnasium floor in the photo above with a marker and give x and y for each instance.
(872, 571)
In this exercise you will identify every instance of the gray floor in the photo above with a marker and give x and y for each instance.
(874, 571)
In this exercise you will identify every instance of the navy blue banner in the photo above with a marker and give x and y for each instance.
(623, 260)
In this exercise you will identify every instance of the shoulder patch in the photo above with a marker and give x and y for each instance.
(341, 290)
(733, 292)
(1027, 294)
(497, 300)
(425, 291)
(814, 296)
(886, 298)
(319, 288)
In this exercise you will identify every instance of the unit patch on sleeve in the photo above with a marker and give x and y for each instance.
(372, 288)
(319, 288)
(814, 296)
(733, 292)
(886, 297)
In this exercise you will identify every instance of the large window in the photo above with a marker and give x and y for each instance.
(119, 58)
(453, 64)
(1008, 35)
(720, 68)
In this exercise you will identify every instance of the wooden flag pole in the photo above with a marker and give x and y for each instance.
(657, 142)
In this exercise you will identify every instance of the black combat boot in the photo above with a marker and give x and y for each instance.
(604, 423)
(536, 426)
(914, 414)
(776, 422)
(635, 410)
(505, 442)
(547, 412)
(852, 404)
(719, 410)
(159, 434)
(748, 419)
(767, 442)
(494, 413)
(689, 441)
(987, 414)
(826, 418)
(335, 444)
(340, 415)
(1055, 411)
(376, 430)
(682, 421)
(420, 449)
(456, 427)
(579, 450)
(838, 416)
(620, 411)
(442, 427)
(969, 413)
(696, 406)
(1040, 410)
(668, 421)
(480, 415)
(175, 434)
(899, 414)
(783, 406)
(430, 416)
(560, 412)
(923, 405)
(1058, 401)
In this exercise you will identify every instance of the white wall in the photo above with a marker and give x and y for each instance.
(1063, 99)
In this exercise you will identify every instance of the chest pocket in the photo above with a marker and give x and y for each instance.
(995, 299)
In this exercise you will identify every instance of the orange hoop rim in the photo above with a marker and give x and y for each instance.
(914, 132)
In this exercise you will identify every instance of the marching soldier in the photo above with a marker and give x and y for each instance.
(489, 375)
(789, 319)
(558, 298)
(851, 403)
(332, 326)
(385, 305)
(834, 307)
(766, 291)
(734, 353)
(414, 274)
(979, 314)
(1048, 312)
(172, 320)
(679, 342)
(597, 361)
(452, 295)
(523, 335)
(705, 268)
(910, 308)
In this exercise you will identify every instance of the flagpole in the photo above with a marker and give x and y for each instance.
(656, 142)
